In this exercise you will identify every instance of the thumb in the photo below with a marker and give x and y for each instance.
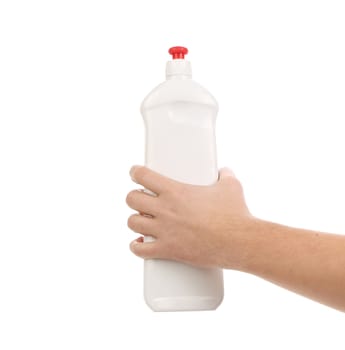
(226, 172)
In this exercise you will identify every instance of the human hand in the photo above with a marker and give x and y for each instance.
(200, 225)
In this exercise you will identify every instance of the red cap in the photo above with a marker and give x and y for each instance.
(178, 52)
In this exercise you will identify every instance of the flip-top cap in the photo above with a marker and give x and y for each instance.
(178, 67)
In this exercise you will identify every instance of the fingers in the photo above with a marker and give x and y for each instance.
(142, 202)
(145, 226)
(147, 250)
(151, 180)
(142, 224)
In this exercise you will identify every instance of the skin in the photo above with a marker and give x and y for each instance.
(211, 226)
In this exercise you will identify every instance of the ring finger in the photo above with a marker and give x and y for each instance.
(141, 224)
(142, 202)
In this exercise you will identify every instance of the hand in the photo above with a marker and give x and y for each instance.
(201, 225)
(211, 226)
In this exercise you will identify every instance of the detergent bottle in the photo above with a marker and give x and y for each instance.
(180, 117)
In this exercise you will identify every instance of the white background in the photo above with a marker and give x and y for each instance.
(72, 77)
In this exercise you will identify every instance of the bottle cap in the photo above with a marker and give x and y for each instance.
(178, 52)
(178, 67)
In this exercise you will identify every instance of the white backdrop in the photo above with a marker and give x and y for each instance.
(72, 77)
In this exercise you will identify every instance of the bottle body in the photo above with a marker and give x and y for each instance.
(180, 118)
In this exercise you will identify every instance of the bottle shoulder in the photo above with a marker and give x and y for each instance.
(178, 90)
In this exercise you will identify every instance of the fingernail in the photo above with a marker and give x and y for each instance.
(139, 240)
(230, 171)
(131, 173)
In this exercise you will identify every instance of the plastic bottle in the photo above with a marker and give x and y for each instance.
(180, 117)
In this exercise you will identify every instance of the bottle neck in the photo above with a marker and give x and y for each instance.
(178, 69)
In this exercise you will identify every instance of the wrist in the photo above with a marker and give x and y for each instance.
(252, 244)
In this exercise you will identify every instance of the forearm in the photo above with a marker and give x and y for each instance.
(307, 262)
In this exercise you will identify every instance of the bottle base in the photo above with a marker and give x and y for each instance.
(195, 303)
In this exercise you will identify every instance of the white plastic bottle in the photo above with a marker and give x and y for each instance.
(180, 118)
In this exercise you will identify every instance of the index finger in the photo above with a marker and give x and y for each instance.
(150, 179)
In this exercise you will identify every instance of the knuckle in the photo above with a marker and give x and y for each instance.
(143, 250)
(136, 248)
(235, 183)
(131, 222)
(238, 184)
(130, 199)
(175, 192)
(137, 223)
